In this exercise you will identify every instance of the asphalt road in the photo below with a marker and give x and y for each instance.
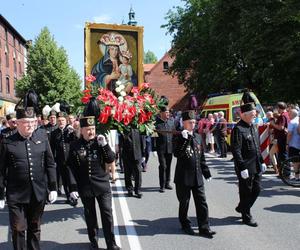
(151, 223)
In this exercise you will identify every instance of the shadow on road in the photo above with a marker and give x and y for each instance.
(285, 208)
(51, 245)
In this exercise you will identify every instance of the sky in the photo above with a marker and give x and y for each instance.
(66, 19)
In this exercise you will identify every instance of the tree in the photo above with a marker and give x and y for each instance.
(231, 44)
(49, 73)
(149, 57)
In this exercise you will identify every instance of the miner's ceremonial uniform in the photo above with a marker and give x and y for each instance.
(164, 148)
(132, 154)
(248, 163)
(27, 170)
(87, 163)
(190, 168)
(60, 144)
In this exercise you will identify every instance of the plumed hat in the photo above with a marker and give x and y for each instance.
(28, 106)
(248, 102)
(91, 111)
(64, 109)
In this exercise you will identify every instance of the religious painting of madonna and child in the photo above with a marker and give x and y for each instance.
(114, 54)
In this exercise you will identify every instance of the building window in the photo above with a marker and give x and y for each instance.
(0, 81)
(15, 83)
(7, 85)
(14, 41)
(20, 69)
(7, 59)
(165, 66)
(6, 35)
(15, 66)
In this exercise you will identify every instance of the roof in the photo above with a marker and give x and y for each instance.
(148, 67)
(10, 27)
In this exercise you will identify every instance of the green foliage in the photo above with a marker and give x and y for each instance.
(149, 57)
(224, 45)
(49, 73)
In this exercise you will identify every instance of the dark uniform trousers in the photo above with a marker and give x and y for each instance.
(165, 161)
(26, 217)
(249, 190)
(190, 169)
(133, 168)
(183, 195)
(104, 202)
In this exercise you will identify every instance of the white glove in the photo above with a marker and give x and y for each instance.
(52, 196)
(185, 134)
(209, 179)
(143, 159)
(101, 140)
(245, 174)
(70, 129)
(74, 195)
(263, 167)
(2, 204)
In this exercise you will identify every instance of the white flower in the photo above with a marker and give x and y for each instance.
(113, 111)
(123, 93)
(118, 83)
(121, 87)
(121, 98)
(118, 89)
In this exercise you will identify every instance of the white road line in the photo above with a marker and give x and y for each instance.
(116, 228)
(132, 236)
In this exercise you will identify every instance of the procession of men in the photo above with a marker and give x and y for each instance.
(37, 161)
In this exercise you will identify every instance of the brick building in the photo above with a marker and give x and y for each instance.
(13, 52)
(165, 84)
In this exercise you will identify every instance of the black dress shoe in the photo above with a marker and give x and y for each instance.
(94, 245)
(238, 209)
(250, 222)
(139, 195)
(161, 190)
(114, 247)
(168, 187)
(130, 194)
(188, 230)
(207, 233)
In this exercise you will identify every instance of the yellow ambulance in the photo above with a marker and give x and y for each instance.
(229, 103)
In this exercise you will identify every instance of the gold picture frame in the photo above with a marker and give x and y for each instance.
(99, 39)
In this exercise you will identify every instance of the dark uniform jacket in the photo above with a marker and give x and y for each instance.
(60, 140)
(49, 128)
(7, 132)
(245, 148)
(191, 164)
(87, 163)
(134, 144)
(164, 141)
(26, 166)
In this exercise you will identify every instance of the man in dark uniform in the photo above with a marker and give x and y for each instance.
(248, 161)
(87, 159)
(133, 154)
(26, 164)
(164, 147)
(190, 167)
(51, 126)
(60, 140)
(11, 120)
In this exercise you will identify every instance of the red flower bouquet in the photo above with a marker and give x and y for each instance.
(123, 111)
